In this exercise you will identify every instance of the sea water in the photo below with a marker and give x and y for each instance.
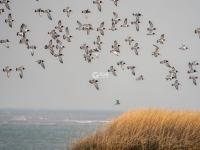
(48, 130)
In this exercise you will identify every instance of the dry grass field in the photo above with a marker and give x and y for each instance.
(146, 130)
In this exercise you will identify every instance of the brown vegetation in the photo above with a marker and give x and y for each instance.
(147, 130)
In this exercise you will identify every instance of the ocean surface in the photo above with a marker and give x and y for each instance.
(48, 130)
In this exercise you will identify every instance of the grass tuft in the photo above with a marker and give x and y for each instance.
(146, 130)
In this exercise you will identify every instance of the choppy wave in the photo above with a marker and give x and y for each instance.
(19, 118)
(54, 118)
(86, 121)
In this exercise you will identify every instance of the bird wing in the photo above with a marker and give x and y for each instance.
(7, 5)
(162, 36)
(9, 17)
(190, 66)
(67, 30)
(20, 73)
(32, 52)
(10, 24)
(88, 31)
(136, 45)
(59, 23)
(137, 26)
(115, 2)
(115, 43)
(96, 86)
(98, 39)
(151, 24)
(113, 25)
(49, 16)
(42, 64)
(115, 15)
(125, 21)
(79, 23)
(136, 51)
(133, 72)
(157, 48)
(102, 32)
(99, 6)
(22, 27)
(50, 42)
(114, 73)
(102, 25)
(60, 59)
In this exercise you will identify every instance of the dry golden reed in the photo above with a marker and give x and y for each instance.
(147, 130)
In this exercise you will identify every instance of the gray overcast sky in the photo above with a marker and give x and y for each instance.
(65, 86)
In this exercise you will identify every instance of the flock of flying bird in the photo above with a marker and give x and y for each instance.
(60, 34)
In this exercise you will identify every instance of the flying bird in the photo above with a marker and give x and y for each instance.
(23, 30)
(132, 68)
(115, 48)
(176, 84)
(88, 57)
(116, 45)
(162, 39)
(129, 39)
(54, 34)
(5, 3)
(140, 78)
(50, 47)
(101, 28)
(2, 11)
(41, 63)
(68, 11)
(80, 26)
(197, 31)
(125, 23)
(86, 12)
(5, 43)
(113, 27)
(191, 67)
(156, 52)
(32, 48)
(59, 56)
(9, 20)
(173, 72)
(116, 18)
(135, 48)
(39, 11)
(151, 29)
(117, 102)
(121, 64)
(166, 63)
(112, 70)
(59, 45)
(98, 3)
(115, 2)
(24, 40)
(95, 83)
(137, 21)
(59, 27)
(87, 28)
(47, 12)
(98, 42)
(67, 35)
(20, 70)
(184, 47)
(7, 70)
(194, 79)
